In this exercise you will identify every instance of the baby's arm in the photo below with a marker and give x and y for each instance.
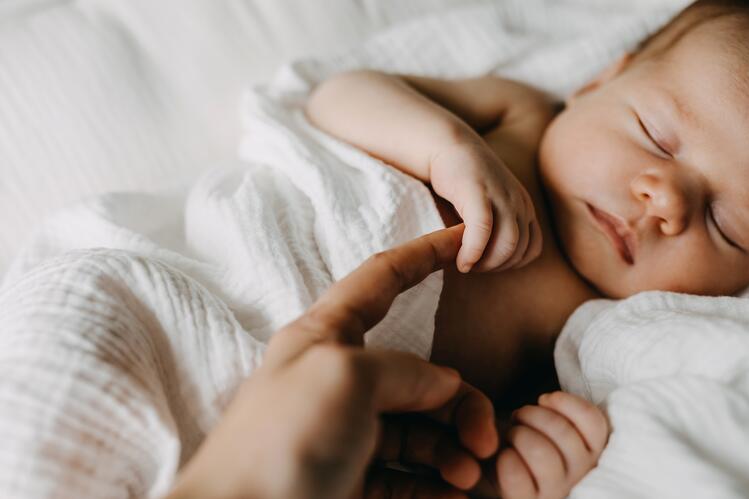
(552, 446)
(429, 128)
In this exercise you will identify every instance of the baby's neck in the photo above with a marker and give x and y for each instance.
(499, 329)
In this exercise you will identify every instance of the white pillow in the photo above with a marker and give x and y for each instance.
(140, 94)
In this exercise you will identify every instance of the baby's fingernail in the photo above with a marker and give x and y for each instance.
(465, 267)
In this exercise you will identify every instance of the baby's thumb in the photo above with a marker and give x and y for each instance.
(478, 220)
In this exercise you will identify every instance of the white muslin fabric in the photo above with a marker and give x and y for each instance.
(116, 360)
(129, 320)
(145, 92)
(672, 372)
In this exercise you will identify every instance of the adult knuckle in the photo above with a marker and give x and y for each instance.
(388, 262)
(316, 319)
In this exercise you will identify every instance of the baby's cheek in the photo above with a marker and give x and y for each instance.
(692, 266)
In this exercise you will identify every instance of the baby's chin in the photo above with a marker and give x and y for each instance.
(601, 286)
(596, 274)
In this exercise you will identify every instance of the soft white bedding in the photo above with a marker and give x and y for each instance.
(141, 95)
(116, 362)
(672, 371)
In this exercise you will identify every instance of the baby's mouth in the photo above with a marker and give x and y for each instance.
(617, 231)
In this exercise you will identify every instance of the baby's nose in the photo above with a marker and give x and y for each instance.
(665, 197)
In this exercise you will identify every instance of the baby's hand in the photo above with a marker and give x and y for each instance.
(501, 228)
(552, 446)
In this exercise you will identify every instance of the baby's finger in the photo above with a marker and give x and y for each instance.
(503, 243)
(520, 248)
(514, 477)
(478, 218)
(525, 257)
(586, 417)
(541, 457)
(472, 415)
(532, 248)
(562, 433)
(420, 441)
(391, 484)
(535, 245)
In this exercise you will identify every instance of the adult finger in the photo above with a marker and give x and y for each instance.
(389, 381)
(472, 414)
(379, 381)
(393, 484)
(402, 382)
(360, 300)
(415, 439)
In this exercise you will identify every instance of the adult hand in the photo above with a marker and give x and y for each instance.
(307, 424)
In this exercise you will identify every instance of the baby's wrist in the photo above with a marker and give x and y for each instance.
(456, 162)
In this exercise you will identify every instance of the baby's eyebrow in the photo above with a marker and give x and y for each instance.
(679, 110)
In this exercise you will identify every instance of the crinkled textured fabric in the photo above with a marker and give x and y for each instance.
(128, 320)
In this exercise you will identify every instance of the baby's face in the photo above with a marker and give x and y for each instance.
(658, 154)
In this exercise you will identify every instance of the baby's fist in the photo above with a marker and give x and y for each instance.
(501, 227)
(552, 446)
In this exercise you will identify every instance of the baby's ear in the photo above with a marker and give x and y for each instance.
(609, 73)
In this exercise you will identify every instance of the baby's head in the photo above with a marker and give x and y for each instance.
(656, 149)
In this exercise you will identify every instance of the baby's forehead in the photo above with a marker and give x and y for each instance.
(707, 72)
(720, 46)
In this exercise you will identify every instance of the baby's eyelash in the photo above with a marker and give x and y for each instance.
(727, 239)
(650, 137)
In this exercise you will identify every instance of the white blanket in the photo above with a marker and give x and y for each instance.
(130, 319)
(672, 371)
(115, 363)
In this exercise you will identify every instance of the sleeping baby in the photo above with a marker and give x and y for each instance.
(638, 182)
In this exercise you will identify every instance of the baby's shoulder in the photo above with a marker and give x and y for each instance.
(517, 136)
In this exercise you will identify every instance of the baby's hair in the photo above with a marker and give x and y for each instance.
(732, 14)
